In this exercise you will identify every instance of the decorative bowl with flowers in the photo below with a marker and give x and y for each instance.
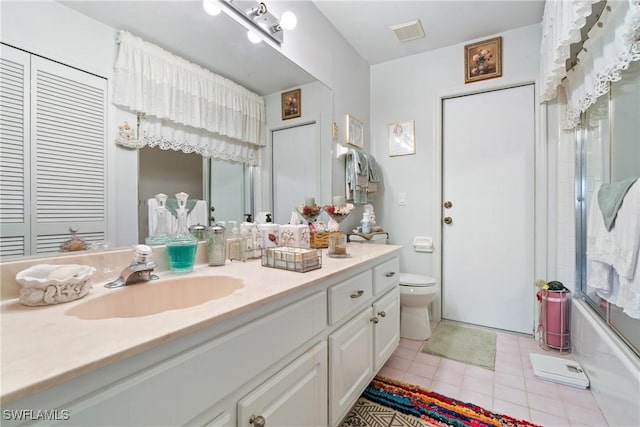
(337, 214)
(309, 213)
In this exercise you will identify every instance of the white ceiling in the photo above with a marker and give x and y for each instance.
(365, 24)
(220, 44)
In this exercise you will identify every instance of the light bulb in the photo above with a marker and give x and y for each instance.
(253, 37)
(288, 20)
(211, 7)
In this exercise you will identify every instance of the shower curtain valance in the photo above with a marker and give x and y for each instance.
(187, 107)
(561, 24)
(611, 46)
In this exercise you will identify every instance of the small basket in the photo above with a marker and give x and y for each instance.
(320, 239)
(292, 259)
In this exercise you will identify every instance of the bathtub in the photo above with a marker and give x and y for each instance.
(613, 369)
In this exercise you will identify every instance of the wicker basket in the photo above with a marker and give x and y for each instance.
(320, 239)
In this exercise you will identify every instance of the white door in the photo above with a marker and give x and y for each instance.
(488, 178)
(296, 173)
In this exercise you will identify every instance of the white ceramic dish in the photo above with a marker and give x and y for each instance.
(46, 284)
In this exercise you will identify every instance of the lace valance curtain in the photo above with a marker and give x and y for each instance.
(612, 45)
(187, 107)
(561, 24)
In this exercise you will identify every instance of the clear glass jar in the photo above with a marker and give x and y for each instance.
(181, 247)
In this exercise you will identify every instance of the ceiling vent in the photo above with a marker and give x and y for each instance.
(408, 31)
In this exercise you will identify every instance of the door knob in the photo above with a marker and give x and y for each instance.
(374, 320)
(448, 220)
(258, 421)
(448, 205)
(382, 313)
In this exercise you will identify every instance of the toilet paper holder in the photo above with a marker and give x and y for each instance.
(423, 244)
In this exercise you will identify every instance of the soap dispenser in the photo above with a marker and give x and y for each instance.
(159, 236)
(181, 247)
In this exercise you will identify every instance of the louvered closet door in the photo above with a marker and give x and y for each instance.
(68, 157)
(14, 152)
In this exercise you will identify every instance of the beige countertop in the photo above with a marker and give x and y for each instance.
(46, 346)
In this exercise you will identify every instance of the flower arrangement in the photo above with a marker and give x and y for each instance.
(338, 213)
(479, 59)
(309, 212)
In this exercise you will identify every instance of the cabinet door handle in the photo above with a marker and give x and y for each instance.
(390, 274)
(382, 314)
(375, 320)
(258, 421)
(357, 294)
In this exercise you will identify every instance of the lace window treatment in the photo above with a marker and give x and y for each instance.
(561, 24)
(608, 51)
(187, 107)
(612, 44)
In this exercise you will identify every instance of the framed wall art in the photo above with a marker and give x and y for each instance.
(402, 138)
(355, 132)
(291, 104)
(483, 60)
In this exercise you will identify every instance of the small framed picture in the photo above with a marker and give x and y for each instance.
(483, 60)
(291, 104)
(355, 132)
(402, 138)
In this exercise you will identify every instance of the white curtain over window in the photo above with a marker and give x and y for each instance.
(187, 107)
(612, 44)
(561, 26)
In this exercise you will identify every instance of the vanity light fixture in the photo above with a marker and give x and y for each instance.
(258, 20)
(211, 7)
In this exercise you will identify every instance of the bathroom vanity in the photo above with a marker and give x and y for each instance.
(275, 348)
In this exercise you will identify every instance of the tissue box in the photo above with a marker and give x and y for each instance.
(269, 233)
(294, 235)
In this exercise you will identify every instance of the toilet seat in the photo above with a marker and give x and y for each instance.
(417, 280)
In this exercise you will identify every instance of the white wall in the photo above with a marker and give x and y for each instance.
(410, 89)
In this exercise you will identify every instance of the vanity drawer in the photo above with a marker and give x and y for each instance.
(349, 295)
(386, 275)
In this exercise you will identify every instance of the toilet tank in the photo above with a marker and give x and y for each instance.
(379, 239)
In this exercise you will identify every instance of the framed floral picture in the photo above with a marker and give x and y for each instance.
(291, 104)
(483, 60)
(402, 138)
(355, 132)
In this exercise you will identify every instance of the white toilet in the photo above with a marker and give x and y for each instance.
(416, 294)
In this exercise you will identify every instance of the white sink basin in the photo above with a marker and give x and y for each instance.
(153, 297)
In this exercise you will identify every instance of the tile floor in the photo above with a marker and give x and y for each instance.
(511, 389)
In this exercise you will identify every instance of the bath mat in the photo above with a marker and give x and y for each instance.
(464, 344)
(387, 403)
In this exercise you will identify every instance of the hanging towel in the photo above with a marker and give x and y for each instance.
(612, 256)
(610, 197)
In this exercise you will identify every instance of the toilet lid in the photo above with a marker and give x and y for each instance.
(416, 280)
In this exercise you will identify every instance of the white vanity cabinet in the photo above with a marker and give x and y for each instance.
(295, 396)
(359, 348)
(300, 360)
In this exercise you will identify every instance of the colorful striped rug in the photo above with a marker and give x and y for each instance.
(388, 402)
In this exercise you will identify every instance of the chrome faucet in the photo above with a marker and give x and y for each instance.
(140, 270)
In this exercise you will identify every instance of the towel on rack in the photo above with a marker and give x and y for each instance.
(610, 197)
(362, 176)
(612, 256)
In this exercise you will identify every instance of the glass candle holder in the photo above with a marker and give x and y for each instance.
(338, 244)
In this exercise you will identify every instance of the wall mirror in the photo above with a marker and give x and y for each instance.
(219, 44)
(608, 151)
